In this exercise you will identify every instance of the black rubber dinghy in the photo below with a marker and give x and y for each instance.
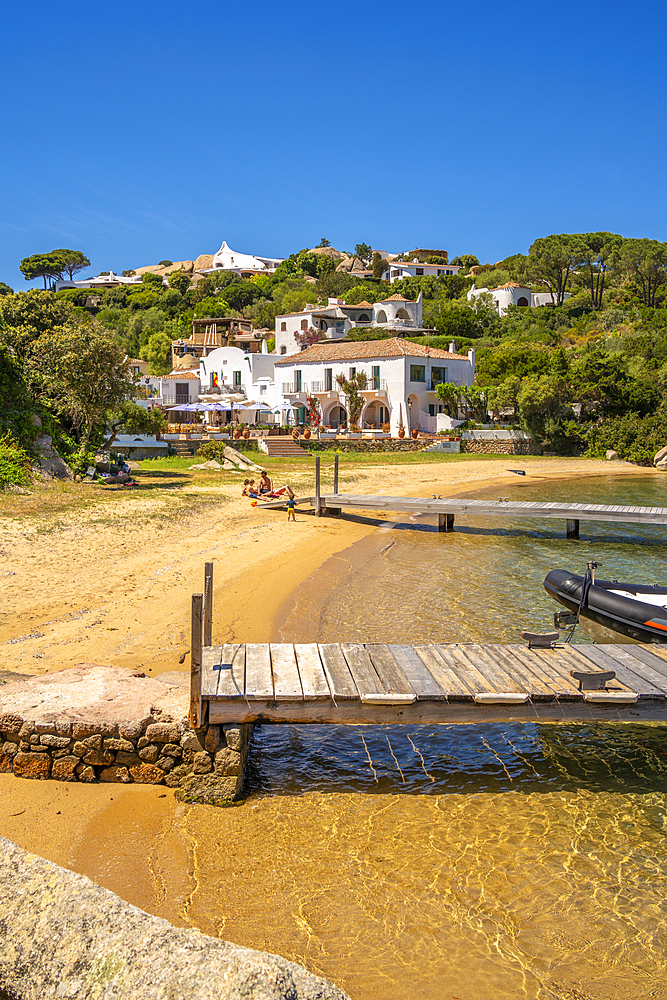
(612, 611)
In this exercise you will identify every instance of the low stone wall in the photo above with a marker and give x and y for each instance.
(500, 447)
(64, 726)
(64, 936)
(378, 445)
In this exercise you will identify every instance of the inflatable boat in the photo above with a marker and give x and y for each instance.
(609, 611)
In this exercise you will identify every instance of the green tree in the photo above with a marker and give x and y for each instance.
(165, 263)
(307, 262)
(83, 374)
(27, 315)
(323, 243)
(152, 280)
(503, 397)
(130, 418)
(379, 265)
(364, 252)
(157, 350)
(6, 289)
(354, 402)
(325, 265)
(49, 266)
(599, 255)
(448, 395)
(466, 261)
(645, 261)
(551, 260)
(73, 261)
(180, 281)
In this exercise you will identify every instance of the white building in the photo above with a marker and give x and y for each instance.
(227, 259)
(168, 390)
(229, 370)
(401, 380)
(335, 320)
(512, 294)
(397, 269)
(109, 280)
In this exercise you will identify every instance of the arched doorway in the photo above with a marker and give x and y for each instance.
(381, 316)
(337, 417)
(402, 313)
(375, 415)
(523, 301)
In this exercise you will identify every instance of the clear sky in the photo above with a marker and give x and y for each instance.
(143, 131)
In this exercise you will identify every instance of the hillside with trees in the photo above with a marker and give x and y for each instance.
(584, 374)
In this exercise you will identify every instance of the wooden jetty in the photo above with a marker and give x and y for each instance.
(446, 510)
(367, 683)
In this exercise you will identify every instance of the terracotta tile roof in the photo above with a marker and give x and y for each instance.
(360, 305)
(182, 375)
(508, 284)
(393, 347)
(397, 298)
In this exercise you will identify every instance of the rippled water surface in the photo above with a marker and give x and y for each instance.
(463, 862)
(482, 582)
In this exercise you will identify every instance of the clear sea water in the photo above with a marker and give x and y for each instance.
(467, 862)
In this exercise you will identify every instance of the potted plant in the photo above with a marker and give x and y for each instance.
(415, 433)
(237, 433)
(306, 433)
(246, 433)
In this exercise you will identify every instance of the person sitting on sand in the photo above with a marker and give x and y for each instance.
(249, 489)
(265, 484)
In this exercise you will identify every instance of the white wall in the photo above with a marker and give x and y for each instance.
(395, 372)
(398, 269)
(224, 361)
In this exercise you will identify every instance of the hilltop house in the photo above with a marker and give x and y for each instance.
(401, 380)
(397, 269)
(401, 316)
(245, 264)
(512, 294)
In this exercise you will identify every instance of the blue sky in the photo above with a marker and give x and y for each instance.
(139, 132)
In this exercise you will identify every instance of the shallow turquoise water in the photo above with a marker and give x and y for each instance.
(483, 861)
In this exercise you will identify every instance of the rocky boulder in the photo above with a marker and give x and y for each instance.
(64, 936)
(660, 460)
(50, 465)
(611, 455)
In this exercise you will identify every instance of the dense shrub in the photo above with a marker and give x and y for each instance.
(14, 463)
(635, 438)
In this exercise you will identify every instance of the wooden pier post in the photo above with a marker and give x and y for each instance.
(336, 473)
(195, 661)
(318, 502)
(572, 528)
(208, 603)
(445, 522)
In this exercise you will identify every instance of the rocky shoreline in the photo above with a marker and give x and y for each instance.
(65, 936)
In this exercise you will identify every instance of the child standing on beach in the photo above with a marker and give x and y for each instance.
(291, 509)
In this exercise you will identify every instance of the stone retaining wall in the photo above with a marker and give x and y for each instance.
(370, 444)
(205, 764)
(93, 723)
(500, 447)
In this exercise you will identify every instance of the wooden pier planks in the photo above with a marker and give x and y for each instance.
(425, 682)
(502, 508)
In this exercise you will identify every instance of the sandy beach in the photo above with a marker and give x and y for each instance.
(113, 586)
